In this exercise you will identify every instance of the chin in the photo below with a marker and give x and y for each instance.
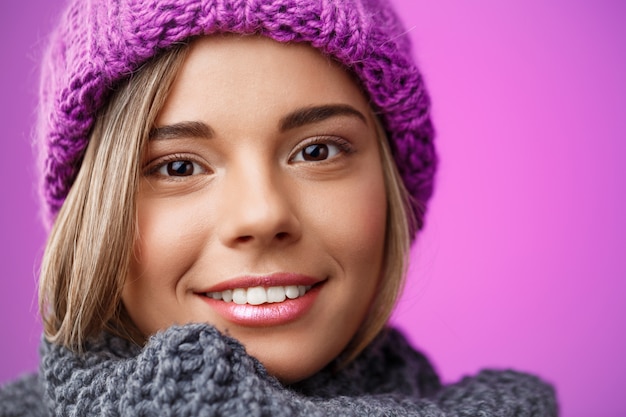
(290, 360)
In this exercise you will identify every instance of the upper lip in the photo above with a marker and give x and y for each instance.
(272, 280)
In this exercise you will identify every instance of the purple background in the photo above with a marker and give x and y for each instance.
(523, 262)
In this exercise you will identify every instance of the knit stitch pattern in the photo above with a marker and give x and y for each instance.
(193, 370)
(99, 43)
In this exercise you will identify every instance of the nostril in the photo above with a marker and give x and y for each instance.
(244, 239)
(282, 235)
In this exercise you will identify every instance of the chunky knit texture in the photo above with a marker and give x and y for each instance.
(195, 371)
(99, 43)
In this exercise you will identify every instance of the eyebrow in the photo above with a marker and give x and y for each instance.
(193, 129)
(309, 115)
(298, 118)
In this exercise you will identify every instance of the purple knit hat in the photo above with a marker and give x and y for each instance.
(100, 42)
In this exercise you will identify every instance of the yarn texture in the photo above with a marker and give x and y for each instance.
(193, 370)
(100, 43)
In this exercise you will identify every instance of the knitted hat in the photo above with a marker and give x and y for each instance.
(101, 42)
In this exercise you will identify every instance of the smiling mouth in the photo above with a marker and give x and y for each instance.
(264, 300)
(260, 295)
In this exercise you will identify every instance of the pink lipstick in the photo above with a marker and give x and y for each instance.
(261, 301)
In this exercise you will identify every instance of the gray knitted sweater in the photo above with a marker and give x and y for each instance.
(194, 370)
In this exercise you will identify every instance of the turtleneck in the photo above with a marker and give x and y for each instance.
(194, 370)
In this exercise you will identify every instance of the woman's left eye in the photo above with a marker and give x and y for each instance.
(321, 151)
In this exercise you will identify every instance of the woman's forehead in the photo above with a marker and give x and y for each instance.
(251, 79)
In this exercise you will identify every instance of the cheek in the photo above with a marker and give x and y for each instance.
(363, 231)
(168, 243)
(171, 234)
(351, 218)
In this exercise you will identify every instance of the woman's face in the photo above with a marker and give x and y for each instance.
(261, 208)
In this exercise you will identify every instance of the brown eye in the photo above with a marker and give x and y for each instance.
(315, 152)
(180, 168)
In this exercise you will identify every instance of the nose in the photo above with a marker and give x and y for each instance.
(257, 209)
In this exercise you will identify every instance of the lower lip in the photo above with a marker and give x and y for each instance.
(265, 315)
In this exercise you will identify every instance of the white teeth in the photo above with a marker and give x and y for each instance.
(276, 294)
(259, 295)
(291, 291)
(240, 296)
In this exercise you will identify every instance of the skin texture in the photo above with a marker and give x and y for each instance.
(247, 201)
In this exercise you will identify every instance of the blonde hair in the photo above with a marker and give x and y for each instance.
(90, 247)
(401, 224)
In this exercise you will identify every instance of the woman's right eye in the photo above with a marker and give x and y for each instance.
(179, 168)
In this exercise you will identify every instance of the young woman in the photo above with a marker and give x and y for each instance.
(233, 187)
